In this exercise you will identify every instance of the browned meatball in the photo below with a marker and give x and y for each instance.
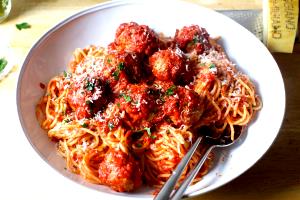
(88, 98)
(132, 37)
(121, 68)
(137, 101)
(192, 38)
(167, 64)
(120, 171)
(182, 105)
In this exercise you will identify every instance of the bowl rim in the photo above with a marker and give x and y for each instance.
(111, 4)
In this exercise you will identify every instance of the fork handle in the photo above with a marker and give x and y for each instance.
(167, 189)
(187, 181)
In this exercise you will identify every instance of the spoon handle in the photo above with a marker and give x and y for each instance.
(187, 181)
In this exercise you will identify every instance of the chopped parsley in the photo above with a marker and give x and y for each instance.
(139, 145)
(135, 103)
(148, 130)
(89, 85)
(88, 102)
(119, 105)
(23, 25)
(110, 125)
(67, 74)
(84, 125)
(3, 63)
(108, 60)
(212, 66)
(153, 136)
(121, 66)
(196, 39)
(116, 73)
(67, 120)
(170, 90)
(126, 97)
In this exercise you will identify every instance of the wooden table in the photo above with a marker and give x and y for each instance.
(275, 176)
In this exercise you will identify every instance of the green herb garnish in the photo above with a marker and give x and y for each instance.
(3, 63)
(89, 85)
(23, 25)
(148, 130)
(212, 66)
(67, 120)
(84, 125)
(67, 74)
(121, 66)
(126, 97)
(170, 90)
(110, 125)
(153, 136)
(108, 60)
(119, 105)
(88, 102)
(116, 74)
(195, 39)
(139, 145)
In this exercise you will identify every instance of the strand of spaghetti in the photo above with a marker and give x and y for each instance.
(231, 128)
(215, 92)
(250, 91)
(87, 172)
(215, 105)
(244, 119)
(235, 108)
(59, 107)
(228, 106)
(258, 105)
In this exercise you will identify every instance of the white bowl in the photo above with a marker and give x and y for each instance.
(97, 25)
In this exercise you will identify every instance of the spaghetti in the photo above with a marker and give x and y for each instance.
(128, 113)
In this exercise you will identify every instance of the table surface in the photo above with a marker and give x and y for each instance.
(26, 176)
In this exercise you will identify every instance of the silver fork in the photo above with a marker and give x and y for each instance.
(209, 144)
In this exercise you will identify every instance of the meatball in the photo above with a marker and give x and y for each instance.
(167, 64)
(137, 102)
(183, 106)
(120, 171)
(134, 67)
(192, 38)
(120, 69)
(132, 37)
(88, 98)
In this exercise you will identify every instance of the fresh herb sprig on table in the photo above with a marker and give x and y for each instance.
(23, 25)
(3, 63)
